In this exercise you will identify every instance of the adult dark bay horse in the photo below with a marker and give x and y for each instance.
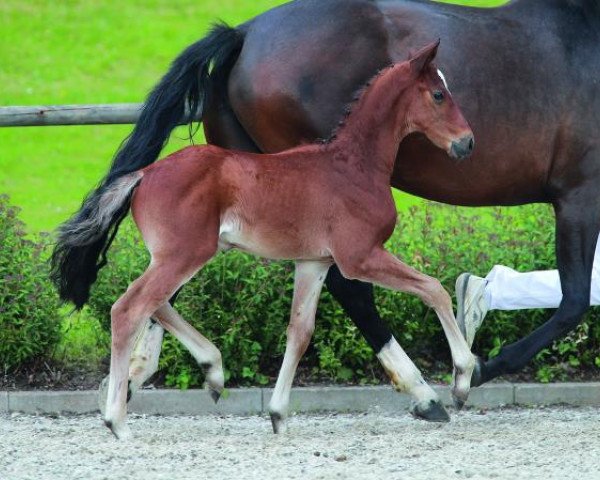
(299, 204)
(527, 76)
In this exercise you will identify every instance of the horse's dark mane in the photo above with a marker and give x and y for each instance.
(350, 105)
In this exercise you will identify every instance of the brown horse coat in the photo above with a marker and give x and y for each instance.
(315, 204)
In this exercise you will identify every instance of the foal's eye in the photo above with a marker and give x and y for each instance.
(438, 96)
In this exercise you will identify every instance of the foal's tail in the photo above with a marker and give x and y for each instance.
(193, 75)
(87, 235)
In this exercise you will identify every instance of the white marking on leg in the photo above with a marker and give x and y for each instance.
(308, 282)
(146, 352)
(383, 268)
(443, 79)
(404, 374)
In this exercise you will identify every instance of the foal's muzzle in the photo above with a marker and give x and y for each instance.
(463, 147)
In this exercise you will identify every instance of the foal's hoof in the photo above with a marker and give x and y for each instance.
(215, 381)
(431, 411)
(278, 423)
(215, 395)
(121, 432)
(477, 378)
(215, 389)
(459, 402)
(460, 393)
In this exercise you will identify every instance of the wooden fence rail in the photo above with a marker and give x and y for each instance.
(35, 116)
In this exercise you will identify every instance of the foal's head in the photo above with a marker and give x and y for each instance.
(432, 110)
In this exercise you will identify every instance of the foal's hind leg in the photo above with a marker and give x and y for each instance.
(382, 268)
(308, 282)
(203, 350)
(143, 363)
(146, 352)
(142, 299)
(144, 358)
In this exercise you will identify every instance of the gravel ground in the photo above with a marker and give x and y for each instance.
(542, 443)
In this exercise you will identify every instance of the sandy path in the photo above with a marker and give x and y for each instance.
(546, 443)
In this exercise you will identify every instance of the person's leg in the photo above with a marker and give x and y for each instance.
(506, 289)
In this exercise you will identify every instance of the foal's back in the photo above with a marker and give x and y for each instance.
(282, 206)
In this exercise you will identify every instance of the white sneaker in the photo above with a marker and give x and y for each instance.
(472, 306)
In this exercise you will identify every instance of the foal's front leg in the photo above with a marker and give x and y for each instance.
(358, 302)
(309, 278)
(383, 268)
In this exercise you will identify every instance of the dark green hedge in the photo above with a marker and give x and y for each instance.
(242, 303)
(29, 318)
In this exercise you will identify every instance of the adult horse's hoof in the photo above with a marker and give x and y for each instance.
(431, 411)
(477, 377)
(278, 423)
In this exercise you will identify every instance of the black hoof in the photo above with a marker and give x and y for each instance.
(458, 403)
(276, 422)
(215, 395)
(432, 412)
(477, 378)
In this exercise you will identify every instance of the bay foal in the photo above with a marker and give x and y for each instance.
(316, 204)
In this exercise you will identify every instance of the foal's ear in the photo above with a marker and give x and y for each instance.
(423, 57)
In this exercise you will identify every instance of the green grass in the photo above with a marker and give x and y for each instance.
(86, 51)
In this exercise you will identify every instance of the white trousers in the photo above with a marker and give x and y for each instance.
(508, 289)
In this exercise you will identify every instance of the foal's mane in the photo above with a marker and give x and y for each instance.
(352, 103)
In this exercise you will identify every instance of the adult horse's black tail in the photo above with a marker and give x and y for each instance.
(189, 82)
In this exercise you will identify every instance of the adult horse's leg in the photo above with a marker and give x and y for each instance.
(383, 268)
(308, 280)
(357, 300)
(577, 227)
(203, 350)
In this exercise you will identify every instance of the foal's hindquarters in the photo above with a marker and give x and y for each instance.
(195, 203)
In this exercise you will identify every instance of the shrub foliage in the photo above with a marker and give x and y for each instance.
(241, 303)
(29, 318)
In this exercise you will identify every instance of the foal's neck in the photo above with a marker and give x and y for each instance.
(372, 132)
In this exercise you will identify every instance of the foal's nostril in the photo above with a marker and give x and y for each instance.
(471, 144)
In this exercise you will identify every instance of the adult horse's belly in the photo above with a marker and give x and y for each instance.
(291, 83)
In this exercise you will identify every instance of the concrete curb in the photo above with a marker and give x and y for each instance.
(251, 401)
(4, 402)
(553, 393)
